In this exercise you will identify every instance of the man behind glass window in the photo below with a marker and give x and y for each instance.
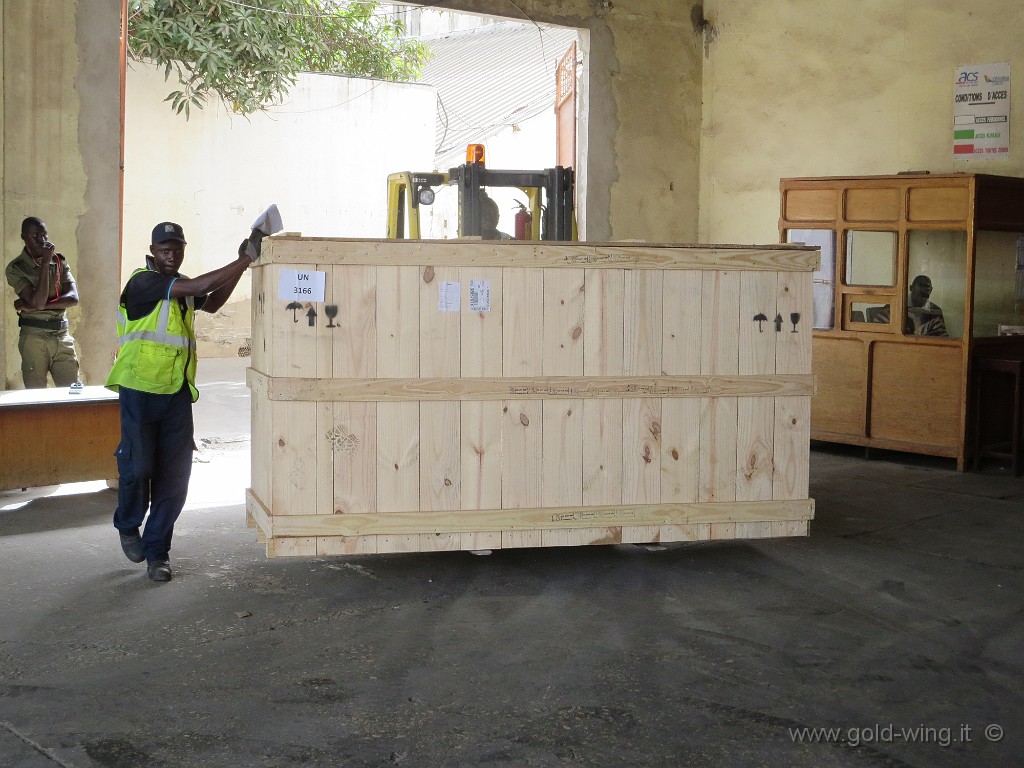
(923, 317)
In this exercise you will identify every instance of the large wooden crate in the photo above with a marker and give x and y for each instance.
(609, 393)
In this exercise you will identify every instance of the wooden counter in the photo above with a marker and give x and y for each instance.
(51, 436)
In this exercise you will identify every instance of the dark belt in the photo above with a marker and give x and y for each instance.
(50, 325)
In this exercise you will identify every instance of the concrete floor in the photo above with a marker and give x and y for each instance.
(898, 623)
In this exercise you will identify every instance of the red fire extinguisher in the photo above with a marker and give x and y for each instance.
(524, 230)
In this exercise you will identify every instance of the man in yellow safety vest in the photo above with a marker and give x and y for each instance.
(154, 376)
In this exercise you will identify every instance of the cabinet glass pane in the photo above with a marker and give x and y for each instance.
(824, 290)
(999, 283)
(869, 312)
(870, 257)
(936, 282)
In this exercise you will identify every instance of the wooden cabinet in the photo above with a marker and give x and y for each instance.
(921, 274)
(476, 395)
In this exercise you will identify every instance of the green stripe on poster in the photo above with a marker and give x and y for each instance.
(968, 134)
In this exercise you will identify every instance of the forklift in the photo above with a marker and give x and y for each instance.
(549, 214)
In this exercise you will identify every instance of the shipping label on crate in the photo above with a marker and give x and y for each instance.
(448, 296)
(479, 296)
(301, 285)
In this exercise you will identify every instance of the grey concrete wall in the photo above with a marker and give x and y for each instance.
(97, 82)
(3, 217)
(60, 153)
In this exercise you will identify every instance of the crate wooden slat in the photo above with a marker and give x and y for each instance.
(609, 393)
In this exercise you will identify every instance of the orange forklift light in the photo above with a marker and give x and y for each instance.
(475, 153)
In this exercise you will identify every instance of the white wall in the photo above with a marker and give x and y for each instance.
(428, 21)
(323, 156)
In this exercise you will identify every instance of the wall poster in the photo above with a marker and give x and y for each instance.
(981, 111)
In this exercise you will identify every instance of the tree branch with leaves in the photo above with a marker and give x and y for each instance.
(250, 52)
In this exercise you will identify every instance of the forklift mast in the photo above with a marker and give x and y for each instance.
(550, 193)
(406, 191)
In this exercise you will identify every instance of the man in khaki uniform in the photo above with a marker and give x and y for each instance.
(45, 287)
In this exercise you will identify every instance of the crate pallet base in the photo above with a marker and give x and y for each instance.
(367, 534)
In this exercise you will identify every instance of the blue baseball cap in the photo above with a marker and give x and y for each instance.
(168, 230)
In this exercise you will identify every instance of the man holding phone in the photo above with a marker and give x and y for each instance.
(45, 287)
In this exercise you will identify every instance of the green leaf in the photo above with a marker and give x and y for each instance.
(222, 47)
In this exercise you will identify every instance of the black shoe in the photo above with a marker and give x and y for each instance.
(131, 544)
(159, 570)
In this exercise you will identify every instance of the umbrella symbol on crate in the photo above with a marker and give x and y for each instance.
(760, 318)
(294, 306)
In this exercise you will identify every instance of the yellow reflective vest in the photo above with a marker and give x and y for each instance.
(158, 351)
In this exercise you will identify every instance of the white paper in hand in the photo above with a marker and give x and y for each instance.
(267, 223)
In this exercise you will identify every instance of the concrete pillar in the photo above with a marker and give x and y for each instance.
(60, 101)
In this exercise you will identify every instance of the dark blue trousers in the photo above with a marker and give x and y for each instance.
(154, 461)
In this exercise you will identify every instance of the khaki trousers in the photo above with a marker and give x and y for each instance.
(43, 352)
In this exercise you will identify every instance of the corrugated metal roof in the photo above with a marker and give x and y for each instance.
(489, 78)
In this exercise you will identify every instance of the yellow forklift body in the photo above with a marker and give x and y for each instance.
(550, 195)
